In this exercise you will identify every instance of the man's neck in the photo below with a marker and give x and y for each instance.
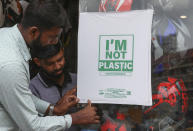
(59, 80)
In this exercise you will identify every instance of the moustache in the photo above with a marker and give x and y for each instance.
(55, 71)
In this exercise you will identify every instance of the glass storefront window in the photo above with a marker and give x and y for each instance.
(172, 68)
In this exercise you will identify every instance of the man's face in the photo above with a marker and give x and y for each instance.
(54, 66)
(45, 38)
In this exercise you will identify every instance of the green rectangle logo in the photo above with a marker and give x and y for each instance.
(116, 54)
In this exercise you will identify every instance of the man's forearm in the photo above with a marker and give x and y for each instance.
(41, 106)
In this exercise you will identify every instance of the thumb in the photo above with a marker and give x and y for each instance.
(74, 101)
(89, 103)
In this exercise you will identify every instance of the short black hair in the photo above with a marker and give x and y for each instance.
(48, 51)
(44, 14)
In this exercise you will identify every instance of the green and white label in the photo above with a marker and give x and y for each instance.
(116, 54)
(114, 93)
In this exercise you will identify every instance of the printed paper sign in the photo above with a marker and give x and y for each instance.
(114, 57)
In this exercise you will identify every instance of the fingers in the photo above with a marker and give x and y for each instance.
(72, 98)
(87, 115)
(77, 100)
(96, 122)
(97, 117)
(95, 109)
(72, 91)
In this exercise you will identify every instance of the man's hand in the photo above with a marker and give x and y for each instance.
(68, 93)
(64, 104)
(67, 101)
(87, 115)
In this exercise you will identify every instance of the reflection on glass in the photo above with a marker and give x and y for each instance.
(172, 68)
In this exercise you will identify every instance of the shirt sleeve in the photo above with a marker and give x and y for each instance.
(41, 105)
(16, 98)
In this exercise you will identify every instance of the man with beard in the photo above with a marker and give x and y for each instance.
(41, 26)
(53, 80)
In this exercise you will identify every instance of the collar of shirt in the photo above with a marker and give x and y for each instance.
(24, 50)
(49, 83)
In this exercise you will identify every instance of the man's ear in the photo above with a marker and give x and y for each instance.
(34, 32)
(37, 61)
